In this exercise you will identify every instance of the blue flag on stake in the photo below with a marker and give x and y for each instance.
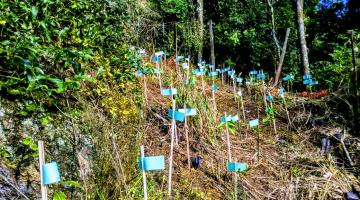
(269, 98)
(214, 88)
(152, 163)
(260, 76)
(159, 53)
(307, 76)
(185, 66)
(51, 173)
(253, 72)
(139, 73)
(168, 92)
(155, 59)
(214, 73)
(179, 116)
(188, 111)
(237, 167)
(229, 118)
(254, 123)
(179, 58)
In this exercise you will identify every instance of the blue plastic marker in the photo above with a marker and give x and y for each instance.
(307, 76)
(237, 167)
(227, 69)
(50, 173)
(168, 92)
(152, 163)
(141, 51)
(254, 123)
(214, 88)
(155, 59)
(269, 98)
(307, 81)
(185, 66)
(188, 111)
(225, 119)
(260, 76)
(231, 72)
(179, 58)
(159, 53)
(179, 116)
(235, 118)
(213, 73)
(253, 72)
(229, 118)
(139, 73)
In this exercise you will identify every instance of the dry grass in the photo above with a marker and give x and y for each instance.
(294, 170)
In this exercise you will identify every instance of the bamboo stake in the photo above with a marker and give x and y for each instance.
(145, 90)
(242, 104)
(235, 180)
(187, 140)
(159, 76)
(41, 163)
(172, 145)
(228, 139)
(143, 172)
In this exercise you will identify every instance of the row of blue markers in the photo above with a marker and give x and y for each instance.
(51, 172)
(203, 67)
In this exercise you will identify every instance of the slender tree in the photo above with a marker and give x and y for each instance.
(304, 51)
(201, 27)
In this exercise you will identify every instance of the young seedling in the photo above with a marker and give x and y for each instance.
(187, 112)
(272, 114)
(282, 95)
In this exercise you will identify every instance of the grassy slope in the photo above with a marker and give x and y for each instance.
(294, 170)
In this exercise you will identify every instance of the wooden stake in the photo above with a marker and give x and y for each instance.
(41, 163)
(187, 140)
(235, 180)
(228, 139)
(171, 146)
(145, 89)
(143, 171)
(159, 77)
(242, 105)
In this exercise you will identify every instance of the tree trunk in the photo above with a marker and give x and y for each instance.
(273, 30)
(304, 52)
(279, 68)
(201, 27)
(212, 44)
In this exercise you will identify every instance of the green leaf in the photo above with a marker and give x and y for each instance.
(73, 183)
(23, 113)
(59, 196)
(31, 107)
(34, 11)
(265, 120)
(27, 141)
(45, 120)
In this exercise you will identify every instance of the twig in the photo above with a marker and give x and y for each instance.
(12, 185)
